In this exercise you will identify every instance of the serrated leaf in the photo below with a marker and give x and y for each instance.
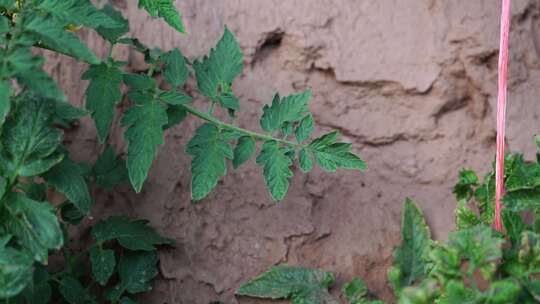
(465, 217)
(109, 169)
(331, 155)
(304, 129)
(216, 72)
(67, 177)
(131, 234)
(209, 147)
(291, 108)
(139, 82)
(175, 115)
(67, 112)
(244, 150)
(410, 257)
(145, 122)
(50, 32)
(73, 292)
(5, 102)
(276, 169)
(113, 33)
(77, 12)
(136, 271)
(175, 98)
(175, 70)
(39, 166)
(303, 285)
(103, 264)
(28, 138)
(34, 224)
(102, 95)
(166, 10)
(306, 160)
(522, 200)
(15, 271)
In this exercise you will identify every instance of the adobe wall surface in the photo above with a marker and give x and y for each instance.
(411, 83)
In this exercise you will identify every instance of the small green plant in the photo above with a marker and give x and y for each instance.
(476, 265)
(33, 162)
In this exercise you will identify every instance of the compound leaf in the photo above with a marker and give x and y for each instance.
(331, 155)
(166, 10)
(303, 285)
(131, 234)
(276, 168)
(102, 95)
(209, 147)
(34, 225)
(103, 263)
(68, 178)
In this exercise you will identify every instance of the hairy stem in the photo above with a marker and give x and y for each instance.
(211, 119)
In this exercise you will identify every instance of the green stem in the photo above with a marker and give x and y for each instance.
(222, 125)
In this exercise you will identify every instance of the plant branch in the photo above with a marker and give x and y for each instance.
(211, 119)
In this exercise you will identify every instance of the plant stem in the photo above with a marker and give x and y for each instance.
(223, 125)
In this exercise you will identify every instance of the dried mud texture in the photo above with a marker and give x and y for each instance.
(411, 83)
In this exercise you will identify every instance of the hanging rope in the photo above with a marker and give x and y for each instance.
(501, 111)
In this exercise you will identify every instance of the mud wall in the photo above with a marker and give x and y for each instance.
(411, 83)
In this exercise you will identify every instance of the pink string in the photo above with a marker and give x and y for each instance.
(501, 111)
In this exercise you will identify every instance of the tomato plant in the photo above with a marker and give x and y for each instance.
(476, 265)
(34, 112)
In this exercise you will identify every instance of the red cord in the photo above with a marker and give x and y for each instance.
(501, 111)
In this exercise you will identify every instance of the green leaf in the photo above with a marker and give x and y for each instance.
(77, 12)
(74, 293)
(465, 217)
(50, 32)
(304, 129)
(102, 95)
(522, 200)
(34, 224)
(5, 102)
(209, 147)
(303, 285)
(67, 177)
(166, 10)
(28, 139)
(504, 291)
(125, 300)
(145, 122)
(113, 33)
(331, 155)
(175, 98)
(139, 82)
(175, 115)
(131, 234)
(229, 101)
(70, 213)
(216, 72)
(306, 160)
(291, 108)
(103, 264)
(15, 271)
(464, 190)
(355, 291)
(136, 271)
(245, 148)
(39, 291)
(410, 257)
(109, 169)
(276, 169)
(175, 70)
(67, 112)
